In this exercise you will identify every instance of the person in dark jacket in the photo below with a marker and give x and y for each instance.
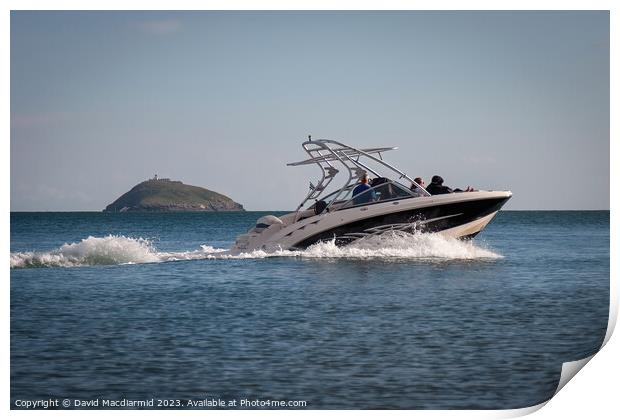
(436, 186)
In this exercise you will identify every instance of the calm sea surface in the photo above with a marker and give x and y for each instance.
(141, 306)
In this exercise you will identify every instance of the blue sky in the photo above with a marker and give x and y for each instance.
(500, 100)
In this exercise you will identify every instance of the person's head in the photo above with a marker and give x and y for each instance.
(419, 181)
(437, 180)
(364, 179)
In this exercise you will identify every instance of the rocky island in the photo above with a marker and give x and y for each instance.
(165, 195)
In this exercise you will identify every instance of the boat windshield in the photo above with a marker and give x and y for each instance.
(385, 191)
(345, 196)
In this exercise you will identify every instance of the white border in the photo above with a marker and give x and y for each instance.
(593, 394)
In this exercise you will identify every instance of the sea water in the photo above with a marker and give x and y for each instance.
(151, 306)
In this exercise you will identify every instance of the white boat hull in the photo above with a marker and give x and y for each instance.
(458, 215)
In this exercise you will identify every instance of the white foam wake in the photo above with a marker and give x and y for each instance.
(418, 246)
(109, 250)
(114, 250)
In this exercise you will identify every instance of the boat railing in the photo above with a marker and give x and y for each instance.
(325, 152)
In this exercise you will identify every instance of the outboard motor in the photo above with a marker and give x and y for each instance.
(247, 241)
(265, 222)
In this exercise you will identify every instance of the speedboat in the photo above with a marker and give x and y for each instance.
(389, 205)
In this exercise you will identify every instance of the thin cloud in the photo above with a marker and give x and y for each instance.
(164, 26)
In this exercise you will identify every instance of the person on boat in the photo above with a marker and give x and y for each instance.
(416, 190)
(436, 187)
(359, 193)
